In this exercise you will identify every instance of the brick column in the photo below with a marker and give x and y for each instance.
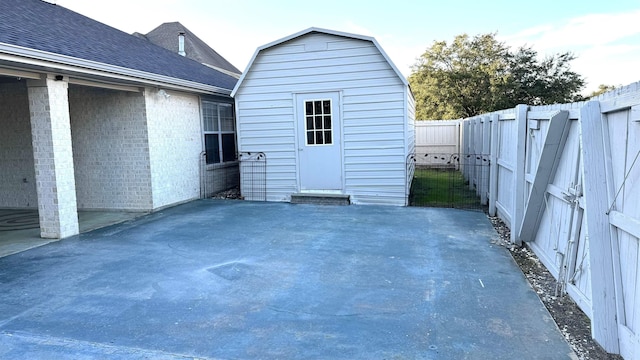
(51, 134)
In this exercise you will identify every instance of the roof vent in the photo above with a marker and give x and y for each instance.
(316, 45)
(181, 44)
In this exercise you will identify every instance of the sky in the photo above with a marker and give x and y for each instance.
(604, 35)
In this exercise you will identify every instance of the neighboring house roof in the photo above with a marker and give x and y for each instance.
(35, 29)
(323, 31)
(166, 35)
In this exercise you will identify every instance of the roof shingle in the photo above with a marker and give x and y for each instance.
(166, 35)
(43, 26)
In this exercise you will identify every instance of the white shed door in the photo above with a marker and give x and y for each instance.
(319, 152)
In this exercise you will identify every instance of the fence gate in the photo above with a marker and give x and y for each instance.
(253, 176)
(449, 180)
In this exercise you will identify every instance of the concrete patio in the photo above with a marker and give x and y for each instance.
(242, 280)
(20, 231)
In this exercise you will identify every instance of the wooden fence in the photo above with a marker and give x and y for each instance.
(566, 180)
(436, 137)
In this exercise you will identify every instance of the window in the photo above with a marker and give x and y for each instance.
(219, 132)
(318, 122)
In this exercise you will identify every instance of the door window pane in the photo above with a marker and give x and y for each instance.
(318, 122)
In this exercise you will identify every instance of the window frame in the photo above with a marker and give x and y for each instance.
(323, 115)
(218, 104)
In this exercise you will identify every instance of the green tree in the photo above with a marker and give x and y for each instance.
(475, 75)
(602, 88)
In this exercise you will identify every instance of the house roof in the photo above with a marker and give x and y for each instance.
(166, 35)
(323, 31)
(35, 29)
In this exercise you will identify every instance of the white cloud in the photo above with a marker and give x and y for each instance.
(526, 34)
(588, 30)
(403, 56)
(609, 65)
(606, 45)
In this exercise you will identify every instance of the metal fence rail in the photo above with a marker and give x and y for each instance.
(253, 176)
(215, 178)
(445, 181)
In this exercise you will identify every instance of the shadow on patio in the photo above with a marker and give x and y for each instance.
(20, 231)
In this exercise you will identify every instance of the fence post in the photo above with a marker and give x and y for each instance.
(604, 326)
(518, 178)
(478, 152)
(486, 126)
(493, 170)
(472, 149)
(460, 133)
(466, 128)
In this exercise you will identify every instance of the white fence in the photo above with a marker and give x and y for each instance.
(436, 137)
(566, 180)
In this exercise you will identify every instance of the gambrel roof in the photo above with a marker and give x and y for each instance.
(42, 34)
(322, 31)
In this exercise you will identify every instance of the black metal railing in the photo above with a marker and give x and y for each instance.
(217, 177)
(253, 176)
(447, 180)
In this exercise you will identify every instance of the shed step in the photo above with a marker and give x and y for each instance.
(320, 199)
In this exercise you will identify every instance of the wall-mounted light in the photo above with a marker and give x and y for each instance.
(162, 92)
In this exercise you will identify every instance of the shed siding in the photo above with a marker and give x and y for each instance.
(373, 107)
(411, 123)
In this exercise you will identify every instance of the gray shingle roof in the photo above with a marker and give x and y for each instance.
(39, 25)
(166, 35)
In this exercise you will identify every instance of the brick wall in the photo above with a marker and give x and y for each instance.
(52, 151)
(17, 174)
(175, 139)
(131, 151)
(220, 177)
(110, 147)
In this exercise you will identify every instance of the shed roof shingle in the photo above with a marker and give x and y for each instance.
(43, 26)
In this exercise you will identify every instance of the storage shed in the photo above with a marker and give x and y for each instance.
(332, 115)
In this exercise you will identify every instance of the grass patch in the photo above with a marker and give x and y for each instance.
(441, 188)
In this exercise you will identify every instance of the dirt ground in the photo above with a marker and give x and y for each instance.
(233, 193)
(572, 322)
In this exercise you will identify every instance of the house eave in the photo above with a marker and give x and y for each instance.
(51, 62)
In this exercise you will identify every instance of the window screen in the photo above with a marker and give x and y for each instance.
(219, 131)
